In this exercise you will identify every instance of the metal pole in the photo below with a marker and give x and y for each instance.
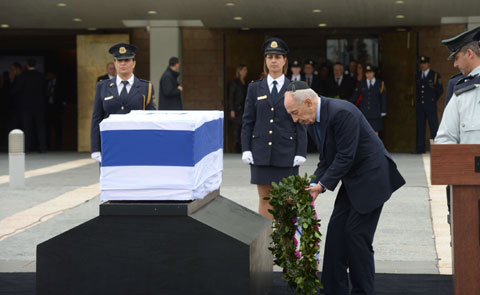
(16, 158)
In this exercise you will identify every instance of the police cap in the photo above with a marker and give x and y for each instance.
(297, 85)
(296, 63)
(123, 51)
(456, 43)
(310, 62)
(275, 46)
(423, 59)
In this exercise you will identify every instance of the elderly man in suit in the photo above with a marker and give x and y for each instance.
(350, 152)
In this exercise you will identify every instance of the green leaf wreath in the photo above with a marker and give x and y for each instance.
(292, 207)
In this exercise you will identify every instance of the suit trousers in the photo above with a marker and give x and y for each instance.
(422, 116)
(349, 246)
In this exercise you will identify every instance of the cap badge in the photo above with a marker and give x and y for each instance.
(274, 44)
(422, 58)
(295, 62)
(369, 68)
(122, 50)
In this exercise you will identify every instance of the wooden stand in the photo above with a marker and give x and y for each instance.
(457, 165)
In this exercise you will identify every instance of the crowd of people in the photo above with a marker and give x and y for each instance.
(35, 105)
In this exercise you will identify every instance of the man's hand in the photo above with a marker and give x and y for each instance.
(247, 157)
(97, 156)
(298, 160)
(180, 88)
(315, 190)
(232, 114)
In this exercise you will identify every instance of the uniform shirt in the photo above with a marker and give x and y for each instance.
(339, 80)
(425, 73)
(280, 80)
(370, 83)
(461, 118)
(296, 78)
(120, 84)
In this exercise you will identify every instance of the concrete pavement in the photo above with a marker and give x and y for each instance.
(64, 194)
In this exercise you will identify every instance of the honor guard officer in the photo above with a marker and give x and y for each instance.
(374, 99)
(272, 143)
(119, 95)
(429, 90)
(296, 68)
(461, 118)
(309, 76)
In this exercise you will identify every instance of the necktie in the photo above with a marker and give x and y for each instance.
(274, 90)
(124, 93)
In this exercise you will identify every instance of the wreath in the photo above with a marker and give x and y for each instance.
(293, 210)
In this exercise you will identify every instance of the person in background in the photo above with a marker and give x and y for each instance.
(359, 77)
(324, 75)
(352, 69)
(373, 104)
(428, 91)
(310, 77)
(170, 90)
(296, 69)
(120, 95)
(110, 73)
(341, 86)
(272, 144)
(55, 105)
(236, 94)
(14, 98)
(32, 88)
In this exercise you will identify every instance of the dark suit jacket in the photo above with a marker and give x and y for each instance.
(315, 84)
(107, 101)
(344, 91)
(32, 87)
(451, 85)
(268, 131)
(350, 151)
(170, 97)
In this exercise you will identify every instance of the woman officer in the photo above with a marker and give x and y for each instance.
(272, 143)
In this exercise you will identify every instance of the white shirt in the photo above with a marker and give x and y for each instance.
(120, 84)
(280, 81)
(425, 73)
(110, 77)
(370, 83)
(296, 78)
(339, 80)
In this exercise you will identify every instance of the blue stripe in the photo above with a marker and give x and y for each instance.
(161, 147)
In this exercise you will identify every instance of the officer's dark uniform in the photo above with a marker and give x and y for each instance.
(313, 81)
(108, 101)
(374, 100)
(429, 90)
(268, 131)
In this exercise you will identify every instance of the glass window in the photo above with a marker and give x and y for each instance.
(344, 50)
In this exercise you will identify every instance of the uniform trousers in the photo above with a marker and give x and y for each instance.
(349, 245)
(422, 116)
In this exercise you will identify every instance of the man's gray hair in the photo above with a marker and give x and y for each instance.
(474, 46)
(301, 95)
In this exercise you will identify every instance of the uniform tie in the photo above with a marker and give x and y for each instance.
(274, 90)
(124, 93)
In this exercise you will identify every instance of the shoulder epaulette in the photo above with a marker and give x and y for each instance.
(466, 84)
(455, 76)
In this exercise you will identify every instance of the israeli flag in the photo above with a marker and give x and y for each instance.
(161, 155)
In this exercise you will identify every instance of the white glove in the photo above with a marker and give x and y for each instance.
(383, 114)
(247, 157)
(97, 156)
(298, 160)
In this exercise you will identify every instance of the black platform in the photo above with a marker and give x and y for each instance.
(209, 246)
(386, 284)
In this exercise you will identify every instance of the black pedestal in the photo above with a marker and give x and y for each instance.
(209, 246)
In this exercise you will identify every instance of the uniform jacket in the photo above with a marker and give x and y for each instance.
(268, 130)
(32, 90)
(451, 84)
(104, 77)
(350, 151)
(461, 117)
(374, 99)
(107, 101)
(236, 94)
(344, 91)
(315, 84)
(428, 90)
(170, 97)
